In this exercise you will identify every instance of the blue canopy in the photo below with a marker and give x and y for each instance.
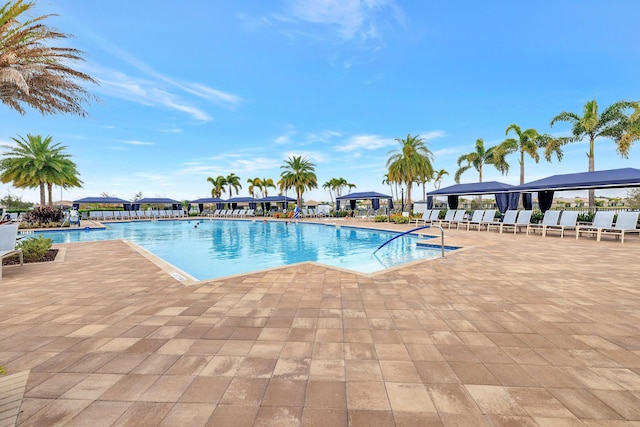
(207, 200)
(365, 195)
(612, 178)
(157, 201)
(240, 199)
(275, 199)
(474, 189)
(106, 200)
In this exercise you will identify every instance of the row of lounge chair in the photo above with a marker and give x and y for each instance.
(552, 222)
(602, 224)
(128, 215)
(233, 213)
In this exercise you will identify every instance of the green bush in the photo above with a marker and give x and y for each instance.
(35, 248)
(380, 218)
(399, 219)
(585, 217)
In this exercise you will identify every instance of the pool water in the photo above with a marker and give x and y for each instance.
(207, 249)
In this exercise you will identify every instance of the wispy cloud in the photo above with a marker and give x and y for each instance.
(313, 156)
(155, 88)
(360, 23)
(135, 142)
(365, 142)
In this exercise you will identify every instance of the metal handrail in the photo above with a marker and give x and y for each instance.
(411, 231)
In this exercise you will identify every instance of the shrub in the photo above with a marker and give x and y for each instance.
(43, 215)
(585, 217)
(380, 218)
(35, 248)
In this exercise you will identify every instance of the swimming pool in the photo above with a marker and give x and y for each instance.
(207, 249)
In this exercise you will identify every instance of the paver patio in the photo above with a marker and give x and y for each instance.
(513, 330)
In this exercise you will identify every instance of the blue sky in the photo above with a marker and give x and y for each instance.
(196, 89)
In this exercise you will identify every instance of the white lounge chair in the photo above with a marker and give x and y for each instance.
(457, 218)
(509, 219)
(476, 217)
(601, 220)
(568, 221)
(425, 216)
(550, 218)
(487, 219)
(8, 237)
(448, 217)
(523, 221)
(627, 222)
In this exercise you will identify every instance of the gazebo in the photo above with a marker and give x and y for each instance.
(175, 204)
(506, 197)
(126, 205)
(207, 200)
(610, 178)
(366, 195)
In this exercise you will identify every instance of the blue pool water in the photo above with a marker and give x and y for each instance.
(209, 249)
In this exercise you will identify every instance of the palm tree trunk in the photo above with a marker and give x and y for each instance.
(43, 200)
(592, 167)
(409, 196)
(50, 193)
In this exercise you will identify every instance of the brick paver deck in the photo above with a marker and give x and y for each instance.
(513, 330)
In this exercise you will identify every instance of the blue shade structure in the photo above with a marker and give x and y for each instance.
(500, 190)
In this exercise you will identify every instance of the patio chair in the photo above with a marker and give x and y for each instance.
(487, 219)
(568, 221)
(627, 222)
(476, 217)
(601, 220)
(458, 217)
(448, 217)
(550, 218)
(8, 237)
(524, 218)
(509, 218)
(425, 216)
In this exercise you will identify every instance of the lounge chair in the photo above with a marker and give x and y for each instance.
(627, 222)
(425, 216)
(523, 221)
(457, 218)
(8, 237)
(568, 221)
(601, 220)
(448, 217)
(476, 217)
(487, 219)
(550, 218)
(509, 219)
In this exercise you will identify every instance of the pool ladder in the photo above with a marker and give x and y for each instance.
(411, 231)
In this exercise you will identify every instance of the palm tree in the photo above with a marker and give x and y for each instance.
(233, 183)
(612, 123)
(632, 133)
(410, 163)
(33, 72)
(298, 174)
(477, 159)
(266, 184)
(37, 163)
(255, 183)
(218, 185)
(388, 181)
(526, 142)
(329, 187)
(437, 177)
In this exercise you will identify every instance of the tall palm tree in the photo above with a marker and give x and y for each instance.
(477, 159)
(612, 123)
(299, 174)
(266, 184)
(218, 185)
(35, 162)
(255, 183)
(411, 162)
(33, 72)
(329, 185)
(233, 183)
(525, 142)
(437, 177)
(632, 132)
(388, 181)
